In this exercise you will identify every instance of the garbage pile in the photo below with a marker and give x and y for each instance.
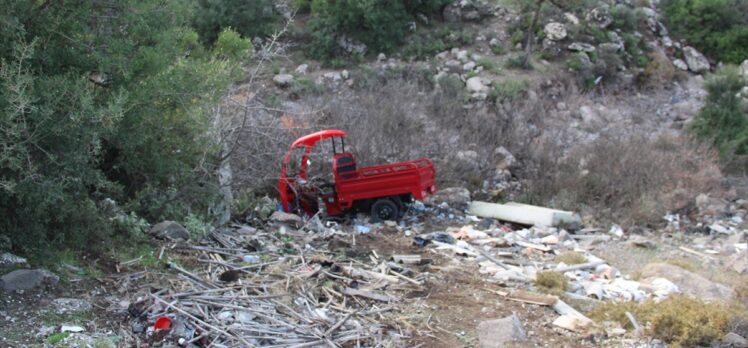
(282, 285)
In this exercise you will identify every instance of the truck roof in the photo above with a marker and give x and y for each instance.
(311, 139)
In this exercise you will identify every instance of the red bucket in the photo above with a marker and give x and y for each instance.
(162, 323)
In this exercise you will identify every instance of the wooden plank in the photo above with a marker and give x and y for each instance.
(533, 298)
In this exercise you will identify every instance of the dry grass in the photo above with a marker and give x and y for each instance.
(571, 258)
(628, 179)
(678, 320)
(551, 282)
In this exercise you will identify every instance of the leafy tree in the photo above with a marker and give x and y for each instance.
(104, 100)
(724, 119)
(250, 18)
(719, 28)
(380, 24)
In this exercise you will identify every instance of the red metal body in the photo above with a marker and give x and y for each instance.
(352, 185)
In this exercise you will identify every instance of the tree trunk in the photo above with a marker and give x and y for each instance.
(527, 59)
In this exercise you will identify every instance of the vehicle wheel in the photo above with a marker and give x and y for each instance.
(384, 209)
(401, 208)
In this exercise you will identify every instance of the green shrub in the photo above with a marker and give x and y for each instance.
(679, 319)
(122, 113)
(487, 64)
(428, 43)
(626, 18)
(248, 18)
(723, 119)
(508, 90)
(380, 24)
(719, 28)
(551, 282)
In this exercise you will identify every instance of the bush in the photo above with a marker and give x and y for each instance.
(508, 90)
(255, 18)
(723, 119)
(551, 282)
(380, 24)
(571, 258)
(679, 319)
(719, 28)
(129, 121)
(428, 43)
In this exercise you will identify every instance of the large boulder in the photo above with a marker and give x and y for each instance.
(688, 282)
(170, 230)
(283, 80)
(744, 70)
(26, 279)
(466, 11)
(476, 84)
(454, 196)
(555, 31)
(499, 333)
(695, 60)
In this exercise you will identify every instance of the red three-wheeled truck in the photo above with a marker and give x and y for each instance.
(384, 190)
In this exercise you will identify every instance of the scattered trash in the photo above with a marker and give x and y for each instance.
(71, 328)
(525, 214)
(162, 323)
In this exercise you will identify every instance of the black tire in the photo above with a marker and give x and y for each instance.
(401, 208)
(384, 209)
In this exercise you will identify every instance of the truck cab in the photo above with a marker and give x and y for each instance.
(382, 190)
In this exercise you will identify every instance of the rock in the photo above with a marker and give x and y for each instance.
(454, 196)
(70, 305)
(453, 65)
(26, 279)
(8, 259)
(332, 76)
(475, 85)
(283, 80)
(506, 159)
(641, 242)
(286, 218)
(610, 47)
(469, 66)
(345, 74)
(466, 11)
(571, 18)
(302, 69)
(695, 60)
(739, 262)
(555, 31)
(710, 205)
(462, 56)
(498, 333)
(680, 64)
(495, 42)
(600, 16)
(688, 282)
(734, 340)
(351, 46)
(381, 57)
(170, 230)
(581, 47)
(743, 70)
(588, 115)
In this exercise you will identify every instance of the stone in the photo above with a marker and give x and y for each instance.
(571, 18)
(26, 279)
(581, 47)
(453, 65)
(739, 262)
(743, 70)
(610, 47)
(466, 11)
(555, 31)
(170, 230)
(351, 46)
(286, 218)
(70, 305)
(680, 64)
(688, 282)
(469, 66)
(381, 57)
(302, 69)
(454, 196)
(498, 333)
(475, 85)
(333, 76)
(8, 259)
(695, 60)
(345, 74)
(462, 56)
(506, 159)
(707, 205)
(494, 42)
(600, 16)
(734, 340)
(283, 80)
